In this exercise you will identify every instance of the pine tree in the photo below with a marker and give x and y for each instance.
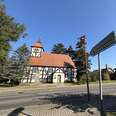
(59, 49)
(81, 59)
(71, 52)
(17, 63)
(10, 31)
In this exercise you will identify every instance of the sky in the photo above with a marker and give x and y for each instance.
(64, 21)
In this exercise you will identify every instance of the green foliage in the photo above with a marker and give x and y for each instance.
(113, 75)
(10, 31)
(83, 79)
(20, 60)
(70, 51)
(78, 55)
(105, 74)
(94, 76)
(59, 49)
(14, 69)
(22, 54)
(2, 6)
(82, 61)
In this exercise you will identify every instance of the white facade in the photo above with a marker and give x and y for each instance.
(59, 78)
(46, 73)
(36, 51)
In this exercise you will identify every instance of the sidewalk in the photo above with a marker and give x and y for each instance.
(45, 110)
(52, 108)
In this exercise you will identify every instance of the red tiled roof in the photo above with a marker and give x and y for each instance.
(53, 60)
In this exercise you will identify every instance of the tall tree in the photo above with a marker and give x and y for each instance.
(71, 52)
(82, 61)
(22, 55)
(59, 48)
(10, 31)
(17, 63)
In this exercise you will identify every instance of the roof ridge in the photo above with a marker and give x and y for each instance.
(56, 54)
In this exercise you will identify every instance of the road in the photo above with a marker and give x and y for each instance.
(28, 98)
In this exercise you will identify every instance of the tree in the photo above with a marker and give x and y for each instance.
(71, 52)
(10, 31)
(59, 49)
(17, 64)
(81, 59)
(22, 54)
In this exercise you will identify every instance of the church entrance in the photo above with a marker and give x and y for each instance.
(59, 78)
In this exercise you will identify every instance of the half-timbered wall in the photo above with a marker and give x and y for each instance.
(48, 74)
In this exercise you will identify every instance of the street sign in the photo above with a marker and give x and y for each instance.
(104, 44)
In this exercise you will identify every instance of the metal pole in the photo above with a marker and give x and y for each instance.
(100, 86)
(88, 92)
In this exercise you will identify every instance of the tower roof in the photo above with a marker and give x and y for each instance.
(37, 44)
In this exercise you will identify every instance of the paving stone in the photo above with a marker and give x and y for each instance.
(46, 110)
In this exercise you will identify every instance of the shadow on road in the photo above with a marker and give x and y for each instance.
(18, 111)
(79, 103)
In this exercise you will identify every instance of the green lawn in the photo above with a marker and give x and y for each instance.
(111, 114)
(105, 81)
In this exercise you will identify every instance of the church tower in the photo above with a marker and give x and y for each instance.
(37, 49)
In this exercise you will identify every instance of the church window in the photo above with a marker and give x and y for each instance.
(34, 69)
(50, 70)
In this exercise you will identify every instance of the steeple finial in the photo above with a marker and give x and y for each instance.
(39, 41)
(38, 44)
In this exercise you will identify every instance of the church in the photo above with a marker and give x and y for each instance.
(48, 67)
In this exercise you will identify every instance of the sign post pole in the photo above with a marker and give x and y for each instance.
(106, 43)
(100, 86)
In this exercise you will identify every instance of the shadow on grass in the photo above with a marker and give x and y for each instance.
(79, 103)
(18, 111)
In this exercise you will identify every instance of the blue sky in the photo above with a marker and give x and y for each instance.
(55, 21)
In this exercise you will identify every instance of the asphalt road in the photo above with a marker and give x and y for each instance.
(18, 99)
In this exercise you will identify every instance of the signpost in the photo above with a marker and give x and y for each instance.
(106, 43)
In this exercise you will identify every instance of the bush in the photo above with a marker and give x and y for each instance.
(105, 75)
(113, 76)
(94, 76)
(83, 79)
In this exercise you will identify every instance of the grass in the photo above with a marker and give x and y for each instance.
(111, 114)
(104, 81)
(50, 85)
(109, 81)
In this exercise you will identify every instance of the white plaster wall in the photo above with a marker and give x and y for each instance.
(56, 77)
(38, 75)
(24, 80)
(33, 80)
